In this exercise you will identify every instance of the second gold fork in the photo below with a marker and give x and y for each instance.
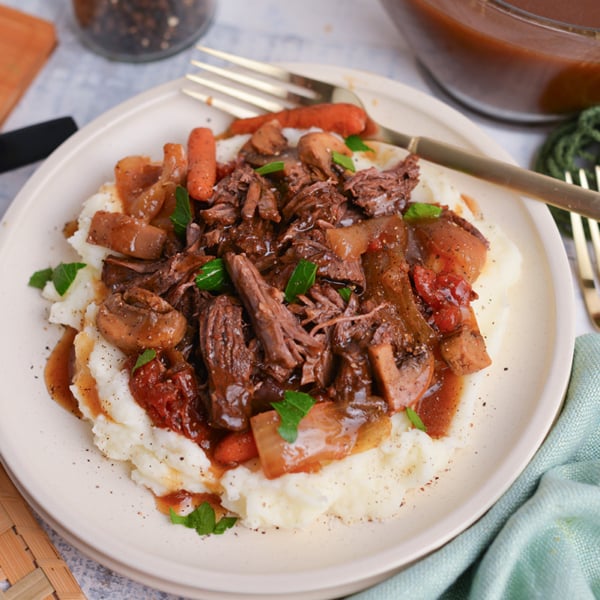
(585, 269)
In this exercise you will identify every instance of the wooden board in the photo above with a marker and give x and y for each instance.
(25, 44)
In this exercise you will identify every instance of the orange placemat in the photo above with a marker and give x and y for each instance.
(30, 566)
(25, 44)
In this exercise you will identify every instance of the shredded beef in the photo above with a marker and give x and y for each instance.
(284, 341)
(383, 193)
(245, 344)
(229, 363)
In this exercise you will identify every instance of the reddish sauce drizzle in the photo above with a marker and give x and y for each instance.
(438, 407)
(58, 373)
(183, 502)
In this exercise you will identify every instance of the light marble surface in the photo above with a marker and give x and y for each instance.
(75, 82)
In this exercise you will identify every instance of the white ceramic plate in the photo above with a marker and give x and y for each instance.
(92, 502)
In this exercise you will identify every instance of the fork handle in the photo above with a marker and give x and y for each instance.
(535, 185)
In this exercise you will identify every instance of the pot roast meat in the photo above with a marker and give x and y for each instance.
(284, 342)
(382, 193)
(313, 247)
(369, 353)
(229, 363)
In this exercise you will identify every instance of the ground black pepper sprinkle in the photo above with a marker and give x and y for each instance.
(141, 29)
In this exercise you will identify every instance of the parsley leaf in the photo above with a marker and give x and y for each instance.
(144, 358)
(40, 278)
(212, 276)
(414, 418)
(64, 275)
(182, 215)
(345, 293)
(301, 279)
(292, 410)
(271, 167)
(356, 144)
(343, 161)
(422, 210)
(203, 520)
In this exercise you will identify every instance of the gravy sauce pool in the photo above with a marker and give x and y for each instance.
(58, 372)
(500, 64)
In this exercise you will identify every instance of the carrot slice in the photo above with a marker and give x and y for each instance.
(202, 163)
(342, 118)
(236, 448)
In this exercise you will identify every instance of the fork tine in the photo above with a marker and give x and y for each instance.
(252, 65)
(283, 90)
(227, 107)
(298, 85)
(239, 94)
(264, 86)
(585, 272)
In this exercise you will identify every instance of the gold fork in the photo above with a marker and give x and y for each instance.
(279, 89)
(585, 272)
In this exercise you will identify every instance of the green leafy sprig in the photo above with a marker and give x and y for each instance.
(301, 280)
(203, 520)
(61, 276)
(292, 410)
(182, 214)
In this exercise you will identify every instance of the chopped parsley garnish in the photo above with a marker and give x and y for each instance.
(343, 161)
(292, 410)
(212, 276)
(40, 278)
(345, 293)
(182, 215)
(356, 144)
(62, 276)
(272, 167)
(301, 280)
(414, 418)
(144, 358)
(203, 520)
(422, 210)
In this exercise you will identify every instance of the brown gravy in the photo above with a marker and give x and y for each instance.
(585, 13)
(58, 373)
(501, 65)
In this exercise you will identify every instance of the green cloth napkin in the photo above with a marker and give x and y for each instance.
(542, 538)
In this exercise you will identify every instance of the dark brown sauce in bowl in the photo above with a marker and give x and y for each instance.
(512, 60)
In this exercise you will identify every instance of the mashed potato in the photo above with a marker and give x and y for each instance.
(363, 486)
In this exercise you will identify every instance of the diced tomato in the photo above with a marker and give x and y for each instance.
(445, 293)
(170, 397)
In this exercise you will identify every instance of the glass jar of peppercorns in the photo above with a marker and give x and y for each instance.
(141, 30)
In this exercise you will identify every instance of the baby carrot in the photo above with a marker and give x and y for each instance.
(342, 118)
(235, 448)
(202, 163)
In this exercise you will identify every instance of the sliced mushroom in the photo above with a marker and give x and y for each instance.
(405, 384)
(126, 235)
(139, 319)
(143, 185)
(315, 150)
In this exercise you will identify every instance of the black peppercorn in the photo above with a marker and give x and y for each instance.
(140, 30)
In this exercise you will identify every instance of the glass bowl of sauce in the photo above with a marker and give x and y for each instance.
(517, 60)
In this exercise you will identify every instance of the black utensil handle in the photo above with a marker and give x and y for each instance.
(24, 146)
